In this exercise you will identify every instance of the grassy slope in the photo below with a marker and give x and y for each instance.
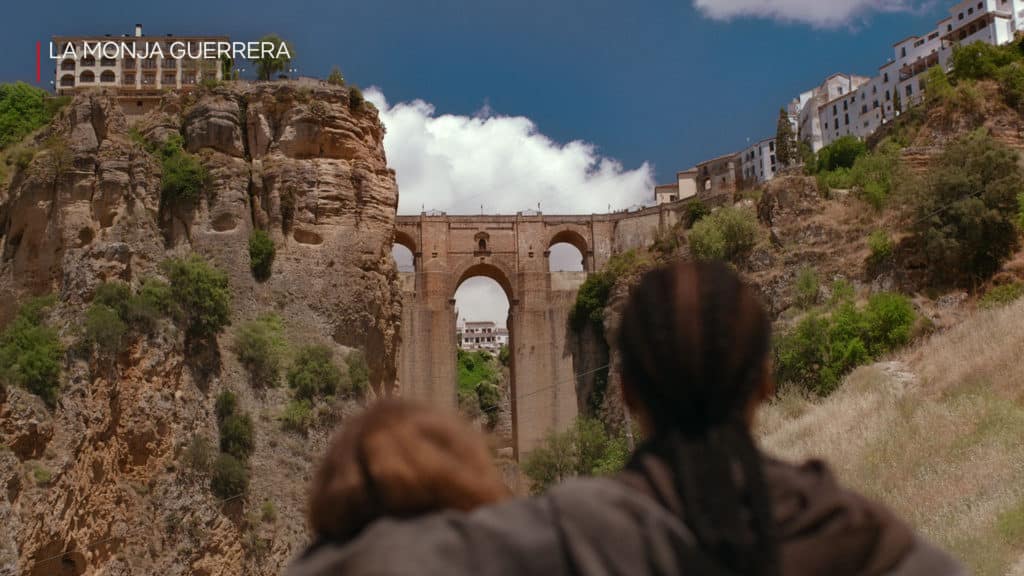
(937, 434)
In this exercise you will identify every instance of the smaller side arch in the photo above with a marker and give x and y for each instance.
(405, 239)
(569, 236)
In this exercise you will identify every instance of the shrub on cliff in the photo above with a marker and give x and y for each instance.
(586, 449)
(31, 353)
(355, 98)
(103, 330)
(807, 288)
(842, 153)
(230, 477)
(237, 436)
(728, 234)
(297, 416)
(823, 348)
(981, 60)
(24, 109)
(261, 254)
(200, 293)
(358, 374)
(183, 176)
(260, 347)
(225, 405)
(592, 297)
(314, 373)
(336, 78)
(965, 209)
(881, 246)
(1002, 295)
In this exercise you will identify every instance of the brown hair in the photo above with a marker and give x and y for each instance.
(695, 343)
(400, 459)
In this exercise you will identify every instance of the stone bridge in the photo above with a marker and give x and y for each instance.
(513, 251)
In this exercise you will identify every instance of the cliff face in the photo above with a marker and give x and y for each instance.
(97, 484)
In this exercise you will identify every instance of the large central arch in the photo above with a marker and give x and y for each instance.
(514, 252)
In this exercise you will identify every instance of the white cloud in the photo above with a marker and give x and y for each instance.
(458, 163)
(818, 13)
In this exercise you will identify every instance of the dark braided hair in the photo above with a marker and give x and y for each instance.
(694, 343)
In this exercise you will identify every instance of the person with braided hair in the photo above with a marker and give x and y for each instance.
(698, 497)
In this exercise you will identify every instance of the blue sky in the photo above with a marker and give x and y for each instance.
(645, 81)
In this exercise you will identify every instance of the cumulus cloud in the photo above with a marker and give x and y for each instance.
(818, 13)
(458, 163)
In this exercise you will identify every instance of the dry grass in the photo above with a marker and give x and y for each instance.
(938, 435)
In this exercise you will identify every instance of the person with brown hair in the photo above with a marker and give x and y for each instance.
(697, 498)
(399, 459)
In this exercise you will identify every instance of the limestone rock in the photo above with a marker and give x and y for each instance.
(115, 494)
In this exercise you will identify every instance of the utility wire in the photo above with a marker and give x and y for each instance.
(560, 382)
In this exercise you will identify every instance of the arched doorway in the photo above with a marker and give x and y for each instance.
(484, 373)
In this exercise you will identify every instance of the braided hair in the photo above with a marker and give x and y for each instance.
(694, 343)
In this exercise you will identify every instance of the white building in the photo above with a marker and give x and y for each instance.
(991, 21)
(810, 126)
(758, 162)
(683, 188)
(486, 336)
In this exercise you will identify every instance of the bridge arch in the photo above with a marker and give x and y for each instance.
(490, 270)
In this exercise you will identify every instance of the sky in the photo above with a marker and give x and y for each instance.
(571, 106)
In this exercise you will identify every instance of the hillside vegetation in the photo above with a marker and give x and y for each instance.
(934, 433)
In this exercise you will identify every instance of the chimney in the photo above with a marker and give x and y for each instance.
(138, 30)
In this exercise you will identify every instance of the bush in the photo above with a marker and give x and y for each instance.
(967, 210)
(153, 301)
(201, 294)
(591, 299)
(871, 174)
(981, 60)
(261, 254)
(314, 373)
(824, 348)
(586, 449)
(113, 295)
(355, 98)
(183, 176)
(24, 109)
(335, 78)
(230, 477)
(473, 368)
(103, 330)
(260, 347)
(198, 455)
(505, 356)
(225, 405)
(31, 353)
(842, 153)
(694, 212)
(881, 247)
(358, 374)
(807, 288)
(1002, 295)
(237, 436)
(488, 397)
(1011, 81)
(728, 234)
(297, 416)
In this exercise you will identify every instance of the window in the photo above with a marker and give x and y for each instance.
(835, 110)
(771, 146)
(846, 121)
(960, 16)
(169, 79)
(129, 79)
(106, 62)
(886, 78)
(840, 90)
(910, 89)
(844, 106)
(903, 52)
(87, 76)
(837, 124)
(970, 11)
(864, 109)
(887, 96)
(107, 76)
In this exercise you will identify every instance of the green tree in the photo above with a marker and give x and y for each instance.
(966, 209)
(260, 347)
(842, 153)
(261, 254)
(201, 294)
(586, 449)
(785, 140)
(982, 60)
(227, 67)
(278, 61)
(335, 78)
(30, 352)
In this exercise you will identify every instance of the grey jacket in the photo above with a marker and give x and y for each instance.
(598, 527)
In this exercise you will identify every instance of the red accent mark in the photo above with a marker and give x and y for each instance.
(39, 62)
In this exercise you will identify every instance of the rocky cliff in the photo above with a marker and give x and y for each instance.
(96, 484)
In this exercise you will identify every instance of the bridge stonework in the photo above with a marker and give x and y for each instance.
(513, 251)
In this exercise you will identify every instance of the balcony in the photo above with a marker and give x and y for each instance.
(920, 65)
(108, 77)
(128, 64)
(67, 81)
(169, 64)
(67, 64)
(107, 62)
(88, 61)
(149, 64)
(128, 80)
